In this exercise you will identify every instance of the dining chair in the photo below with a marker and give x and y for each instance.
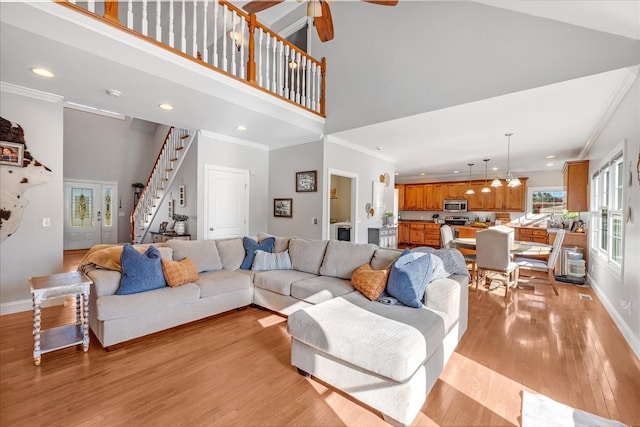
(446, 241)
(492, 252)
(547, 266)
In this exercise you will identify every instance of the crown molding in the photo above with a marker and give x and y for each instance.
(627, 80)
(31, 93)
(361, 149)
(233, 140)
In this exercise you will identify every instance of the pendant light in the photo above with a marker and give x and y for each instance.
(512, 181)
(486, 188)
(470, 190)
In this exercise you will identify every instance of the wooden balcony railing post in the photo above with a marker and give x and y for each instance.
(111, 11)
(323, 93)
(251, 62)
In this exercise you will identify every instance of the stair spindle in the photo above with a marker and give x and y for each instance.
(158, 19)
(215, 33)
(243, 29)
(287, 70)
(236, 41)
(172, 41)
(130, 14)
(195, 30)
(183, 30)
(145, 20)
(225, 10)
(259, 50)
(274, 72)
(205, 42)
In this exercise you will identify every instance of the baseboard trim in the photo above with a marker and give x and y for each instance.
(628, 335)
(26, 305)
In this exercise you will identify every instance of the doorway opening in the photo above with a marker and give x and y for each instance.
(342, 202)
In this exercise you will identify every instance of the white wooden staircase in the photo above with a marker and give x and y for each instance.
(173, 152)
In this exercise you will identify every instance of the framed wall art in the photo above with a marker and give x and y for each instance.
(182, 196)
(306, 181)
(11, 154)
(283, 208)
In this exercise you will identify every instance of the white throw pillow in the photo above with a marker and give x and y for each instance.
(264, 261)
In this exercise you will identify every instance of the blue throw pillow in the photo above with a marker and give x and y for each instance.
(140, 272)
(250, 248)
(409, 277)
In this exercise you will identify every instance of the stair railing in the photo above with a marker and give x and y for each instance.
(218, 35)
(174, 149)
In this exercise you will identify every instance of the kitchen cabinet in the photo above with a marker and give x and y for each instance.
(414, 197)
(384, 237)
(475, 202)
(514, 199)
(576, 184)
(537, 235)
(454, 190)
(494, 201)
(403, 232)
(416, 234)
(431, 235)
(433, 197)
(400, 188)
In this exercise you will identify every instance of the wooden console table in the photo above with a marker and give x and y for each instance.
(55, 286)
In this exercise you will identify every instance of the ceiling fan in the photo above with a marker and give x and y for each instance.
(318, 9)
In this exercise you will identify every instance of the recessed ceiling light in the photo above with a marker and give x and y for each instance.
(456, 171)
(422, 174)
(549, 164)
(550, 156)
(397, 173)
(42, 72)
(166, 106)
(495, 168)
(241, 127)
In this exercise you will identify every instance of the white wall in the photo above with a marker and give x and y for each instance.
(368, 168)
(283, 165)
(449, 53)
(214, 150)
(100, 148)
(611, 287)
(33, 250)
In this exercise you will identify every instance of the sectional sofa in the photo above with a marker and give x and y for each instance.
(387, 356)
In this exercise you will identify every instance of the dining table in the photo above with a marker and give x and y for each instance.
(518, 248)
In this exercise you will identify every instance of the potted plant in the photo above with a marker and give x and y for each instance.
(388, 218)
(180, 219)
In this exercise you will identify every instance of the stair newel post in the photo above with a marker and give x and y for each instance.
(251, 63)
(111, 11)
(323, 72)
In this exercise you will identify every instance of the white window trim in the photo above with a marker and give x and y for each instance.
(530, 190)
(618, 152)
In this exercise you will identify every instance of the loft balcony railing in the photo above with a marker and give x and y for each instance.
(222, 37)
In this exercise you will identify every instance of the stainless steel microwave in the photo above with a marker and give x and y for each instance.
(457, 205)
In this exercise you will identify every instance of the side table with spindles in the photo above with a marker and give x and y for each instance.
(55, 286)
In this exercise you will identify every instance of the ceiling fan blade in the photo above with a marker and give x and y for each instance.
(256, 6)
(382, 2)
(324, 23)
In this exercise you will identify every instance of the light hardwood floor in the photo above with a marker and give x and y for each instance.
(234, 369)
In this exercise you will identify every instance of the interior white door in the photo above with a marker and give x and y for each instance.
(226, 202)
(90, 214)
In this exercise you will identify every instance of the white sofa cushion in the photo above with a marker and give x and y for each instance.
(214, 283)
(203, 253)
(307, 255)
(391, 341)
(279, 281)
(343, 258)
(320, 288)
(116, 306)
(231, 253)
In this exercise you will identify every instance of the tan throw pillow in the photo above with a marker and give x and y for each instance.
(370, 282)
(177, 273)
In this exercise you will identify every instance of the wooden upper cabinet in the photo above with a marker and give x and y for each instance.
(494, 201)
(433, 197)
(400, 188)
(414, 197)
(475, 202)
(576, 184)
(515, 197)
(454, 190)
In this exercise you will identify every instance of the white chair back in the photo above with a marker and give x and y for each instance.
(446, 236)
(555, 250)
(492, 248)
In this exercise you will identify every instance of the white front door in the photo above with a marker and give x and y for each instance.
(226, 202)
(90, 214)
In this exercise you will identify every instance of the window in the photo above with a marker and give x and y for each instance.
(548, 202)
(607, 198)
